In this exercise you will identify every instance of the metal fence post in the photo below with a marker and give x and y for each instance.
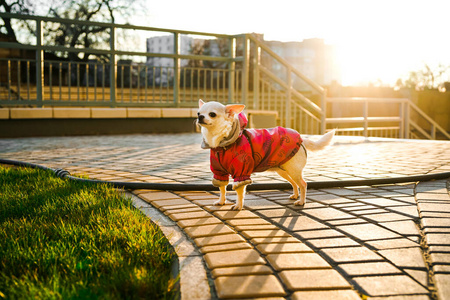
(245, 69)
(323, 117)
(231, 70)
(407, 112)
(256, 64)
(8, 82)
(288, 98)
(177, 71)
(39, 64)
(112, 67)
(366, 115)
(401, 133)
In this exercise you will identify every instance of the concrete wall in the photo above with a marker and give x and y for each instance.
(27, 122)
(436, 105)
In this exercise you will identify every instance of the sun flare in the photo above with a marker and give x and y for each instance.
(375, 40)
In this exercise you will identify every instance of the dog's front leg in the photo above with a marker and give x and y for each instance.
(240, 191)
(223, 192)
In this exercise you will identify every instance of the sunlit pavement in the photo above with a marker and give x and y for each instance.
(345, 243)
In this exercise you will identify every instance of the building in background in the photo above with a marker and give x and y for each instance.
(165, 45)
(162, 71)
(312, 57)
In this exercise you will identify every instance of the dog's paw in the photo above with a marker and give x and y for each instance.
(293, 197)
(299, 202)
(236, 207)
(219, 203)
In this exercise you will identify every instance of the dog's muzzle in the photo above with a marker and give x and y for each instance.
(201, 119)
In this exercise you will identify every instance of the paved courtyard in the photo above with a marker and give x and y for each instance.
(381, 242)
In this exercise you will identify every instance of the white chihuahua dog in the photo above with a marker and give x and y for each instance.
(238, 152)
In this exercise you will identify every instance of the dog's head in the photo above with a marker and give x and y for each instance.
(213, 114)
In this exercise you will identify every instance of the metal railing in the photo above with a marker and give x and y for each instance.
(247, 72)
(396, 118)
(114, 82)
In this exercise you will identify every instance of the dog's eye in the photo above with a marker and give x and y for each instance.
(212, 115)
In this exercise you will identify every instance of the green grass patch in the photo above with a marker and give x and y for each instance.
(61, 239)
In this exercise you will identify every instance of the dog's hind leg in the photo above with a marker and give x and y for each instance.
(303, 186)
(294, 168)
(286, 176)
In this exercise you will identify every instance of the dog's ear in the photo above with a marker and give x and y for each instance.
(200, 103)
(234, 109)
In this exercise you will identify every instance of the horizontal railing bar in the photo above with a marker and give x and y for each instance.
(12, 45)
(117, 52)
(368, 128)
(365, 99)
(17, 102)
(362, 119)
(106, 102)
(104, 24)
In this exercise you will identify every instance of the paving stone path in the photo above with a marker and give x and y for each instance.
(377, 242)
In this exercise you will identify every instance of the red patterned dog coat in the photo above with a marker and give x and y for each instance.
(254, 150)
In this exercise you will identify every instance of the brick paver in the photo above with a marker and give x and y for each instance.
(345, 243)
(248, 286)
(314, 280)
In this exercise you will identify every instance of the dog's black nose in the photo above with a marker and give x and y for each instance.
(200, 118)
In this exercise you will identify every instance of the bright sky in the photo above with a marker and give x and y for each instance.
(376, 39)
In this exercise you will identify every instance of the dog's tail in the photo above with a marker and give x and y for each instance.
(323, 142)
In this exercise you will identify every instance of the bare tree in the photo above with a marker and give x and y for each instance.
(13, 6)
(86, 36)
(217, 47)
(72, 35)
(197, 48)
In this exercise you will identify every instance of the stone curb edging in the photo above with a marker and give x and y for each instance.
(432, 199)
(193, 279)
